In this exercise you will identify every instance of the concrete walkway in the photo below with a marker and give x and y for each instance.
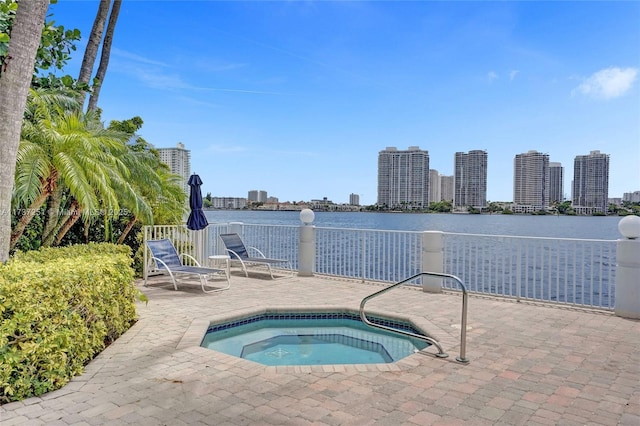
(529, 364)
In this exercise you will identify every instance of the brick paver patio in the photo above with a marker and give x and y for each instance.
(529, 364)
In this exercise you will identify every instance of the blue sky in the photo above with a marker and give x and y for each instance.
(298, 97)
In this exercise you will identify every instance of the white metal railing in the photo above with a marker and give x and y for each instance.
(368, 254)
(275, 241)
(213, 245)
(566, 271)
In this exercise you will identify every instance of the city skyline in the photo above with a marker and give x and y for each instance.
(300, 96)
(406, 180)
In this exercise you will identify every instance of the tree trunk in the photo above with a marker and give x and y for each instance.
(52, 218)
(24, 220)
(104, 56)
(48, 187)
(15, 80)
(74, 215)
(130, 224)
(91, 51)
(86, 233)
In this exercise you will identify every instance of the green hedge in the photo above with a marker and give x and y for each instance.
(59, 307)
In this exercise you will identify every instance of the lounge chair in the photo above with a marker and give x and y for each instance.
(168, 261)
(238, 253)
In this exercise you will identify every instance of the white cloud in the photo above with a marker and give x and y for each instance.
(136, 58)
(157, 79)
(492, 75)
(512, 74)
(608, 83)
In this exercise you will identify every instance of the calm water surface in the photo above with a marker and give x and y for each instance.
(583, 227)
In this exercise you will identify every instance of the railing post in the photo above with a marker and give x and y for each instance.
(145, 260)
(363, 266)
(307, 246)
(628, 269)
(432, 260)
(519, 272)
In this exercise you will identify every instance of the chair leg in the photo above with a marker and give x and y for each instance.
(173, 279)
(204, 283)
(270, 271)
(244, 268)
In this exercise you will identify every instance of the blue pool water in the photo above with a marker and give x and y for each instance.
(312, 339)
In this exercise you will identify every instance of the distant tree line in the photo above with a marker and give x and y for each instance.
(562, 208)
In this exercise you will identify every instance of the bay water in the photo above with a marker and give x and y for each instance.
(576, 278)
(579, 227)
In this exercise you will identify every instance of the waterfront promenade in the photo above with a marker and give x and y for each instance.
(529, 364)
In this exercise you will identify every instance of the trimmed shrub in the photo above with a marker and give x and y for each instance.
(59, 307)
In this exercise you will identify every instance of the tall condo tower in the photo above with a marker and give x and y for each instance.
(470, 179)
(446, 188)
(434, 186)
(590, 190)
(556, 182)
(257, 196)
(354, 199)
(531, 180)
(179, 161)
(403, 178)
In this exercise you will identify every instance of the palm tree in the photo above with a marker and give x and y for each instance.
(17, 70)
(93, 44)
(137, 190)
(104, 56)
(150, 194)
(159, 194)
(166, 199)
(67, 155)
(170, 206)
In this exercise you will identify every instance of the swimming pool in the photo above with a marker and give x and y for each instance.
(312, 338)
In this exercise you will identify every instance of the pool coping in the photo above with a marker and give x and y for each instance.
(193, 336)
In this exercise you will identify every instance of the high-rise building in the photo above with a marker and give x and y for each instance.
(179, 161)
(631, 197)
(470, 179)
(228, 203)
(434, 186)
(354, 199)
(531, 180)
(556, 182)
(446, 188)
(403, 178)
(255, 196)
(590, 191)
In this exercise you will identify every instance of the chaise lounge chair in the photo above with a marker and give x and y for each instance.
(238, 253)
(168, 261)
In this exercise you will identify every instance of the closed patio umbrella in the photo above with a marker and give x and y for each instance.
(196, 220)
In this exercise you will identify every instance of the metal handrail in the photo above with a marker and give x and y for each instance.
(463, 331)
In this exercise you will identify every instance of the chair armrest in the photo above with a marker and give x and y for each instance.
(256, 250)
(162, 262)
(190, 257)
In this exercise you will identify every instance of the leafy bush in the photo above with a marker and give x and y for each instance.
(59, 307)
